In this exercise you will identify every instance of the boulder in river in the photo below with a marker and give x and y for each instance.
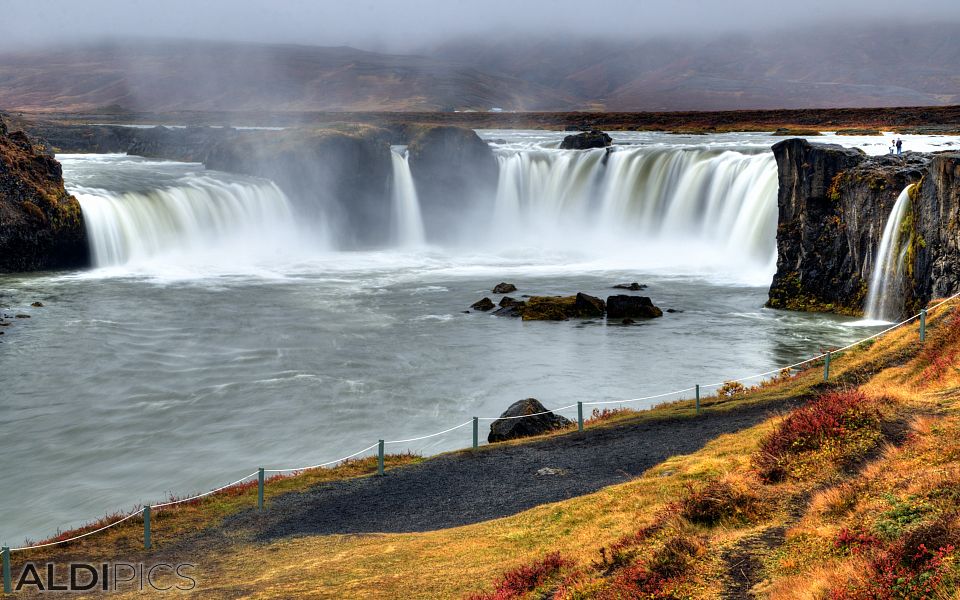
(633, 287)
(513, 423)
(483, 304)
(585, 140)
(622, 306)
(504, 288)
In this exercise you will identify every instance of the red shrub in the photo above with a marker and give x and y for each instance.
(638, 581)
(524, 579)
(896, 572)
(830, 417)
(854, 541)
(941, 352)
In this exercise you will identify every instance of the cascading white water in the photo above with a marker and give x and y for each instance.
(201, 213)
(407, 220)
(722, 198)
(883, 303)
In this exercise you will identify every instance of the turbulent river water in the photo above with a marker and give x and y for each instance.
(219, 332)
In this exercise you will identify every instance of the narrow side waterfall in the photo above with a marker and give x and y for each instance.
(721, 199)
(407, 220)
(884, 299)
(200, 214)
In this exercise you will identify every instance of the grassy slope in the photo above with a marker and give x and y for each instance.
(783, 541)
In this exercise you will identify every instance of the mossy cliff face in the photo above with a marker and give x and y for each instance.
(41, 226)
(935, 249)
(833, 204)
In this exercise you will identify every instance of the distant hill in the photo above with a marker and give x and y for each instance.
(176, 76)
(864, 67)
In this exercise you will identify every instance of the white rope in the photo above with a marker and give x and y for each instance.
(131, 515)
(222, 487)
(689, 389)
(544, 412)
(328, 463)
(423, 437)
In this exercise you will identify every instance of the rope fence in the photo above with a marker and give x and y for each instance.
(380, 445)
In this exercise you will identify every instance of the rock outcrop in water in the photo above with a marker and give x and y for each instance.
(455, 173)
(585, 140)
(41, 226)
(833, 205)
(623, 306)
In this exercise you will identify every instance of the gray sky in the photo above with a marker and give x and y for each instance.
(396, 25)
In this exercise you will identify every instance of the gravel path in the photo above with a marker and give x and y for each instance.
(468, 487)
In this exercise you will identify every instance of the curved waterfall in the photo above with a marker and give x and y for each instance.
(407, 220)
(884, 298)
(200, 213)
(652, 206)
(722, 198)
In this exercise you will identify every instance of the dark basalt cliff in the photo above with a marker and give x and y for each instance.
(833, 205)
(40, 223)
(455, 173)
(936, 223)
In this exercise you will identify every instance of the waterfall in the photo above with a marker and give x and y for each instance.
(200, 214)
(407, 220)
(884, 301)
(724, 199)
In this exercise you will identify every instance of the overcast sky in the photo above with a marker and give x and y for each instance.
(397, 25)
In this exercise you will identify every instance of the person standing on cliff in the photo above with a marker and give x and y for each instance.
(899, 147)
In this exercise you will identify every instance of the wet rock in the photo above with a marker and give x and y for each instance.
(21, 316)
(674, 310)
(633, 287)
(510, 307)
(514, 423)
(631, 307)
(504, 288)
(585, 140)
(37, 304)
(627, 322)
(484, 305)
(589, 306)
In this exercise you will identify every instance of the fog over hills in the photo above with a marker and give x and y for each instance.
(869, 66)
